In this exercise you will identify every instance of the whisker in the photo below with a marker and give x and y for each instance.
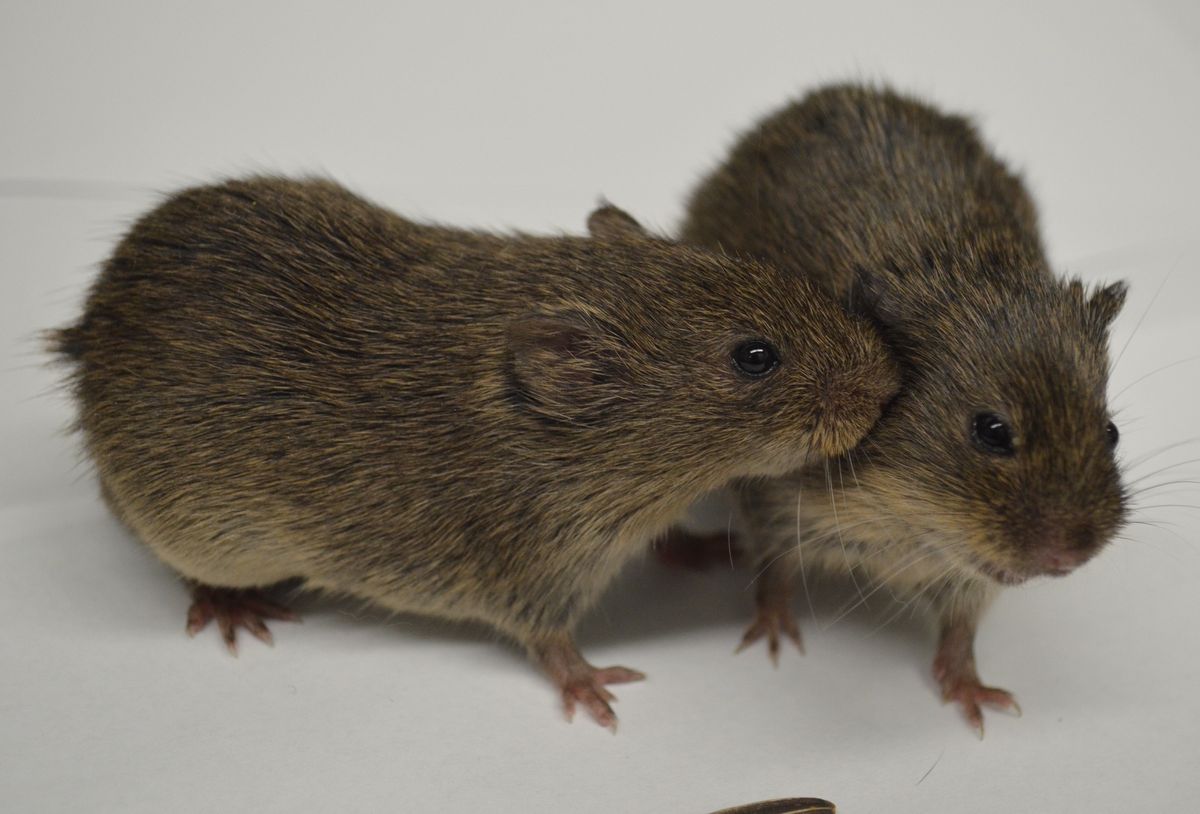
(838, 525)
(1153, 373)
(863, 449)
(729, 538)
(763, 570)
(1167, 468)
(945, 573)
(1145, 313)
(829, 535)
(1167, 528)
(1160, 450)
(800, 556)
(1118, 257)
(1154, 486)
(919, 555)
(1161, 525)
(850, 460)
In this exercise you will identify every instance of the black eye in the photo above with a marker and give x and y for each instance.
(755, 358)
(992, 435)
(1114, 434)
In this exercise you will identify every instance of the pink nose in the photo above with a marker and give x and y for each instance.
(1065, 546)
(1062, 562)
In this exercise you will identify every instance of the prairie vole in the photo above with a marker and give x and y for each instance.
(996, 461)
(277, 380)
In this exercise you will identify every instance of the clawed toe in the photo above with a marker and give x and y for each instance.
(954, 670)
(771, 622)
(587, 688)
(233, 609)
(972, 697)
(578, 681)
(617, 675)
(595, 701)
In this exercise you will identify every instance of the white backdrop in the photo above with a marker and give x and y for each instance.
(521, 116)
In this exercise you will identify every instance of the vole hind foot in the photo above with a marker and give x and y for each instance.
(679, 548)
(233, 608)
(588, 690)
(773, 612)
(771, 619)
(580, 682)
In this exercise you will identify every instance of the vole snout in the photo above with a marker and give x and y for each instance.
(851, 398)
(1060, 549)
(1051, 547)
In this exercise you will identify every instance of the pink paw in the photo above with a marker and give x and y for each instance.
(233, 609)
(588, 688)
(770, 621)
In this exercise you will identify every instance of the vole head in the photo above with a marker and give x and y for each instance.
(1001, 447)
(698, 360)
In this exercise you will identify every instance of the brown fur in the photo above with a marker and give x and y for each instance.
(902, 214)
(278, 379)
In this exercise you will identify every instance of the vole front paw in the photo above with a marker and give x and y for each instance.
(954, 671)
(965, 689)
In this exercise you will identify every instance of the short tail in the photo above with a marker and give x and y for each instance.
(66, 343)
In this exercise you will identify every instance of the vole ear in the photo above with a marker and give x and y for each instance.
(565, 364)
(612, 222)
(871, 296)
(1106, 303)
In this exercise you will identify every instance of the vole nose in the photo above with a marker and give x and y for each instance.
(1064, 549)
(1061, 562)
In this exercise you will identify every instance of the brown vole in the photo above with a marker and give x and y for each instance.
(996, 463)
(278, 379)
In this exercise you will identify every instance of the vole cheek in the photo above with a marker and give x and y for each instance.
(843, 418)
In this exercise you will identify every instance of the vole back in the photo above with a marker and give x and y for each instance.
(280, 380)
(995, 463)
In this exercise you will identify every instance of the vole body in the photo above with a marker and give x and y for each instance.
(278, 379)
(996, 462)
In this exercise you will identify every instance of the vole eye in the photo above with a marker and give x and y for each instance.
(992, 435)
(1114, 434)
(755, 358)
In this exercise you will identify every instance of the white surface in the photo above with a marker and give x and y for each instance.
(492, 115)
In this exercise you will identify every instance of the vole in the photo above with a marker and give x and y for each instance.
(995, 464)
(278, 379)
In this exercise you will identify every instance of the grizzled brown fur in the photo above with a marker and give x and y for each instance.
(278, 379)
(901, 213)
